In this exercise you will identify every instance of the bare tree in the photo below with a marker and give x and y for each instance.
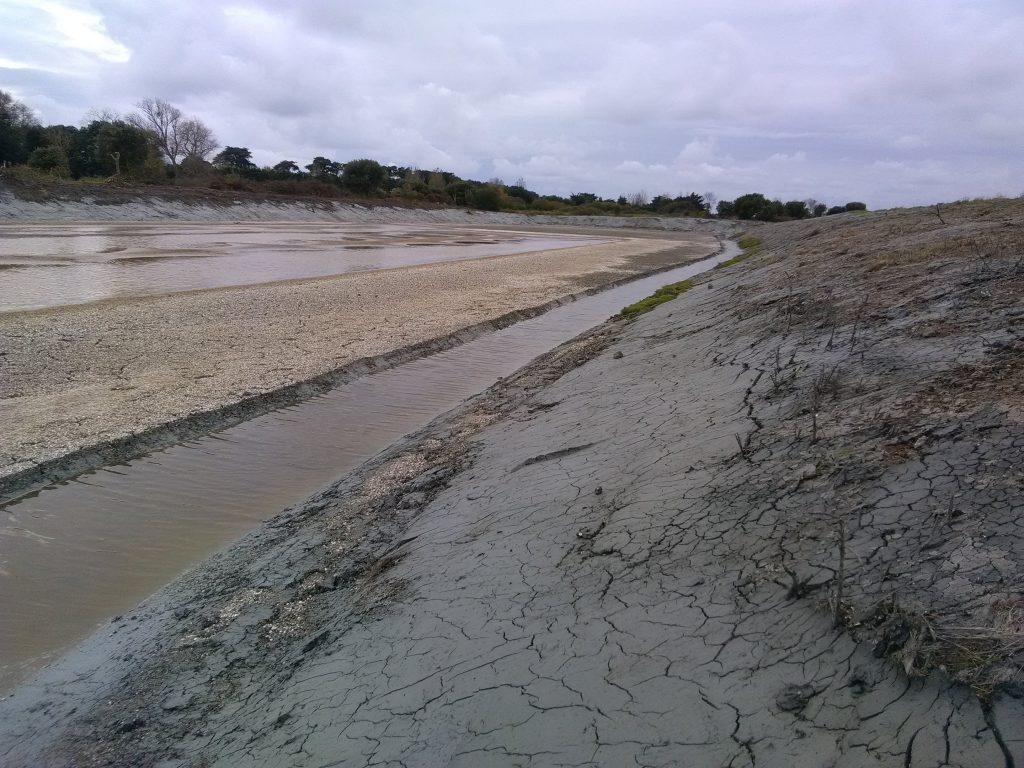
(104, 115)
(174, 135)
(637, 199)
(196, 139)
(162, 121)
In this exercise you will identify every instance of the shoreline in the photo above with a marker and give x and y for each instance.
(24, 482)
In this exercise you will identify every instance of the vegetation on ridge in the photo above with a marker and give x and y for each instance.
(158, 143)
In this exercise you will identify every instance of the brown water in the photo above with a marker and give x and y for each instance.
(55, 264)
(82, 551)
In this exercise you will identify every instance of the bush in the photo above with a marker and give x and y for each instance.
(195, 167)
(49, 160)
(363, 176)
(486, 199)
(522, 193)
(459, 192)
(544, 205)
(797, 209)
(856, 207)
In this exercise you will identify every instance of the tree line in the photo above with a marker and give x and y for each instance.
(757, 207)
(158, 143)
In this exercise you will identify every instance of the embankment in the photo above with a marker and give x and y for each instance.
(76, 203)
(775, 521)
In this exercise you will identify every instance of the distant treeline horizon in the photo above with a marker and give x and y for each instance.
(158, 144)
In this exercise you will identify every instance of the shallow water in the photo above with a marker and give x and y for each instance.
(117, 534)
(51, 265)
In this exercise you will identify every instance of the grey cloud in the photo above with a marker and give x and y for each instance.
(891, 103)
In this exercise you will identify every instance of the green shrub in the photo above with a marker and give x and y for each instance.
(364, 176)
(509, 203)
(541, 205)
(49, 160)
(486, 199)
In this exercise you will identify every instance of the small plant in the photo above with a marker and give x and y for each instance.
(734, 260)
(660, 296)
(825, 383)
(782, 375)
(750, 245)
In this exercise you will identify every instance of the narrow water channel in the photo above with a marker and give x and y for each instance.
(82, 551)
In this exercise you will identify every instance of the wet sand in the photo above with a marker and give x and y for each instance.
(84, 376)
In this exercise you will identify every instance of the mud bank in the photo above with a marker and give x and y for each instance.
(111, 204)
(98, 383)
(720, 534)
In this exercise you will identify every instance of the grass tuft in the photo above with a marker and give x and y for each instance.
(660, 296)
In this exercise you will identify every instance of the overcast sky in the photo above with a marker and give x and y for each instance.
(895, 102)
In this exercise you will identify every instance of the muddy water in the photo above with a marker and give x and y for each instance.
(49, 265)
(85, 550)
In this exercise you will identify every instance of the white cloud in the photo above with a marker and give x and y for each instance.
(909, 141)
(54, 36)
(781, 158)
(697, 151)
(79, 27)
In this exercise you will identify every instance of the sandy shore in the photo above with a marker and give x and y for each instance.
(774, 522)
(90, 375)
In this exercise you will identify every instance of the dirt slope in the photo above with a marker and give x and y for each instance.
(720, 534)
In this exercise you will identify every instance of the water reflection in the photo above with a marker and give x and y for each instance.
(60, 264)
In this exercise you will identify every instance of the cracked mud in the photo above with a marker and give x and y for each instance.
(775, 522)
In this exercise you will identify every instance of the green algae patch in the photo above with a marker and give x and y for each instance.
(750, 245)
(660, 296)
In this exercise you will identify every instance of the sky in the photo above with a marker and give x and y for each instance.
(901, 102)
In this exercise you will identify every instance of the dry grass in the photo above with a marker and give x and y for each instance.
(981, 246)
(967, 653)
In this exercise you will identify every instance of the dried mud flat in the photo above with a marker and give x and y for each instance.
(89, 385)
(775, 522)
